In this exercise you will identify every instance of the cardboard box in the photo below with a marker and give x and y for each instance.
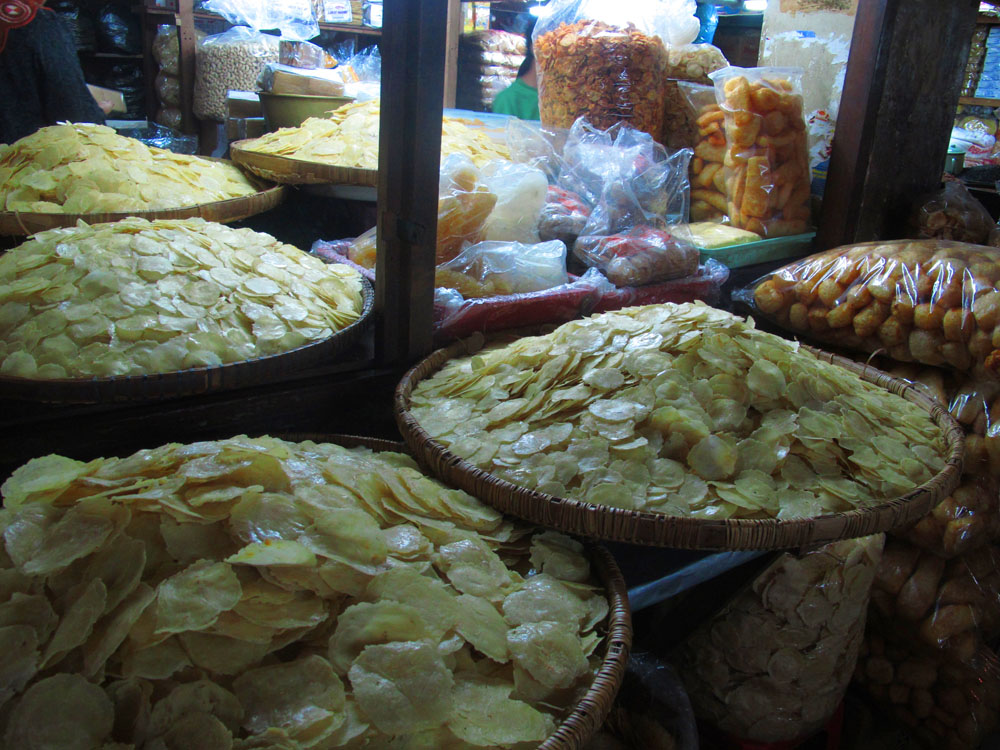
(286, 82)
(244, 104)
(108, 95)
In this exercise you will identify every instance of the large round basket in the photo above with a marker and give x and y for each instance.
(196, 380)
(288, 171)
(590, 712)
(661, 530)
(16, 223)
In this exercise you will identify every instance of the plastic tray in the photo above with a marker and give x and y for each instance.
(761, 251)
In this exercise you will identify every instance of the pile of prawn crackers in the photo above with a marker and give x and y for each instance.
(135, 297)
(684, 410)
(256, 593)
(81, 169)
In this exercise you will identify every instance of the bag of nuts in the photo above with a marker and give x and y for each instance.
(931, 301)
(940, 699)
(603, 61)
(774, 663)
(228, 61)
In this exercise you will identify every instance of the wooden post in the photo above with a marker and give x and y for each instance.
(901, 90)
(186, 39)
(413, 44)
(451, 52)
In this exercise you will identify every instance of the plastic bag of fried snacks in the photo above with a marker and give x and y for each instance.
(766, 163)
(774, 663)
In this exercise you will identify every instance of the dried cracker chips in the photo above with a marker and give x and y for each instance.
(84, 169)
(679, 409)
(349, 138)
(254, 593)
(138, 297)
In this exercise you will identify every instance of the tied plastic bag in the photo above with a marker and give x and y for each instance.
(490, 269)
(944, 703)
(168, 89)
(775, 662)
(531, 143)
(166, 50)
(228, 61)
(602, 60)
(708, 177)
(929, 301)
(642, 255)
(947, 605)
(766, 161)
(521, 192)
(563, 217)
(951, 213)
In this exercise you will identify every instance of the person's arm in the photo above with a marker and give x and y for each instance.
(64, 92)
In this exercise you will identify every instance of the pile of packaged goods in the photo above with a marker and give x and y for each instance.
(488, 62)
(935, 605)
(82, 169)
(137, 297)
(679, 409)
(166, 53)
(261, 593)
(348, 137)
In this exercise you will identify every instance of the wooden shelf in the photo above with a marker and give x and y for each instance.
(109, 55)
(988, 20)
(979, 101)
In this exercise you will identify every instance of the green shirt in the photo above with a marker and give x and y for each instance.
(518, 99)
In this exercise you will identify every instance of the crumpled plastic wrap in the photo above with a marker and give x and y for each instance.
(773, 664)
(929, 301)
(952, 213)
(947, 605)
(945, 704)
(602, 61)
(766, 161)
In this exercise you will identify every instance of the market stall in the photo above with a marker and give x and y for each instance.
(608, 512)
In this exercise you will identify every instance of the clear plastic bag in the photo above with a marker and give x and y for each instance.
(521, 191)
(639, 256)
(766, 161)
(295, 19)
(494, 40)
(166, 50)
(774, 663)
(170, 117)
(491, 269)
(928, 301)
(694, 62)
(230, 60)
(947, 605)
(706, 120)
(564, 216)
(705, 285)
(529, 142)
(603, 61)
(952, 213)
(168, 89)
(944, 703)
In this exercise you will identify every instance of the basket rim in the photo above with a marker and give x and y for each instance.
(682, 532)
(300, 170)
(269, 193)
(184, 382)
(592, 709)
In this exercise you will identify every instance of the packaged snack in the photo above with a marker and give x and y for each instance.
(491, 269)
(929, 301)
(168, 90)
(951, 213)
(601, 62)
(563, 216)
(520, 190)
(230, 60)
(708, 179)
(640, 256)
(774, 663)
(766, 161)
(705, 285)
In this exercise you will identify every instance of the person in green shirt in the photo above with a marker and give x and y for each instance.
(521, 97)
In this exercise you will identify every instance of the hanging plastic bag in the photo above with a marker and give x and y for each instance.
(951, 213)
(766, 162)
(604, 61)
(228, 61)
(490, 269)
(520, 191)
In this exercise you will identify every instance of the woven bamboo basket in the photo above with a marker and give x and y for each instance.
(15, 223)
(661, 530)
(288, 171)
(197, 380)
(589, 714)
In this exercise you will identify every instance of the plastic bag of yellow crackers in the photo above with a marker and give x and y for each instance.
(766, 163)
(930, 301)
(603, 61)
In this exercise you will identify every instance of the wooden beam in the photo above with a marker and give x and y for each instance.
(413, 45)
(901, 89)
(451, 52)
(186, 45)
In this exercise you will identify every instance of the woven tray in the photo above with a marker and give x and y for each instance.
(288, 171)
(197, 380)
(589, 714)
(661, 530)
(268, 196)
